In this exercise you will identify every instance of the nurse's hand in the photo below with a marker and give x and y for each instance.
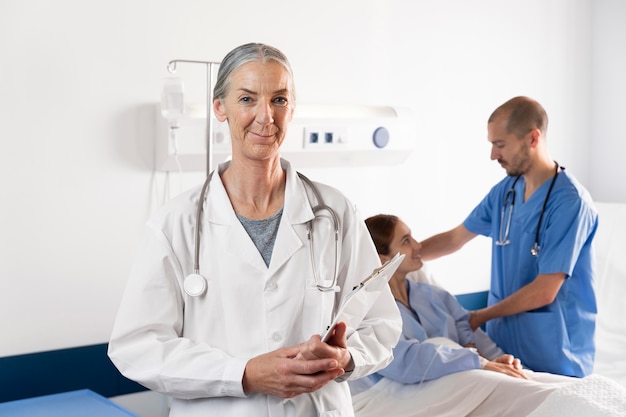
(475, 319)
(278, 373)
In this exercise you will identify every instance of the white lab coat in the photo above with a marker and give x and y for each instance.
(195, 349)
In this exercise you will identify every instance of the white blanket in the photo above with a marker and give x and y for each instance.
(491, 394)
(594, 396)
(468, 393)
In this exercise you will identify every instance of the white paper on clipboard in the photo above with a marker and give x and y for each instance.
(358, 302)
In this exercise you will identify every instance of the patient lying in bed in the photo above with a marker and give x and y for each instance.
(442, 368)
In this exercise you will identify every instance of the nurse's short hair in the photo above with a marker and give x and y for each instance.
(242, 55)
(523, 115)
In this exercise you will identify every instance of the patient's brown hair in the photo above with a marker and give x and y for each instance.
(381, 228)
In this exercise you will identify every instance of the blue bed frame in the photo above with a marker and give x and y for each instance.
(88, 367)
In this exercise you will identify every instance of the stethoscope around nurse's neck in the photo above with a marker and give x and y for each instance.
(195, 284)
(509, 202)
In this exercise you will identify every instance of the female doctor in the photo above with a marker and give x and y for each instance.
(240, 335)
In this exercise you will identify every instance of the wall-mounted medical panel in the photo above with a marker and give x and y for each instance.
(318, 136)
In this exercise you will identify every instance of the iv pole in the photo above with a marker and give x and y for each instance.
(171, 68)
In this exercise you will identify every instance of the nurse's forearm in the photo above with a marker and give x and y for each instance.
(541, 292)
(445, 243)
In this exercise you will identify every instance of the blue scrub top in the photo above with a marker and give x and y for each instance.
(559, 337)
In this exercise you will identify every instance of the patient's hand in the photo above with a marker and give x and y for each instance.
(508, 365)
(509, 360)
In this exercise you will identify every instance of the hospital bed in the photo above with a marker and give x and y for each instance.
(608, 381)
(610, 247)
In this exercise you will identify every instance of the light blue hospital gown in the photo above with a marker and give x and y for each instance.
(438, 315)
(559, 337)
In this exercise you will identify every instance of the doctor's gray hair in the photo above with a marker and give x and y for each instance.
(243, 54)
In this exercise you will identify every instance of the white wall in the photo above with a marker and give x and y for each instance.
(78, 77)
(607, 139)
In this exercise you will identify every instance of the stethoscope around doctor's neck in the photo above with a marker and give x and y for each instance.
(195, 284)
(509, 202)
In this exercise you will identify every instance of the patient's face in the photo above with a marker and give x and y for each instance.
(404, 243)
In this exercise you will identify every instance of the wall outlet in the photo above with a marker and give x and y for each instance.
(325, 137)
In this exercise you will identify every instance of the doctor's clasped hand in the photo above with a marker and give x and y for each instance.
(316, 363)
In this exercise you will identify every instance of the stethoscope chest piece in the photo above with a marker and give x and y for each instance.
(194, 285)
(534, 251)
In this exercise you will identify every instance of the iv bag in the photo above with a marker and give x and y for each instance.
(172, 100)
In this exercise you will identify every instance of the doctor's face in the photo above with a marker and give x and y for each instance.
(404, 243)
(258, 106)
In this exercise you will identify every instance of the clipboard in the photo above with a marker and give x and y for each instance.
(357, 299)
